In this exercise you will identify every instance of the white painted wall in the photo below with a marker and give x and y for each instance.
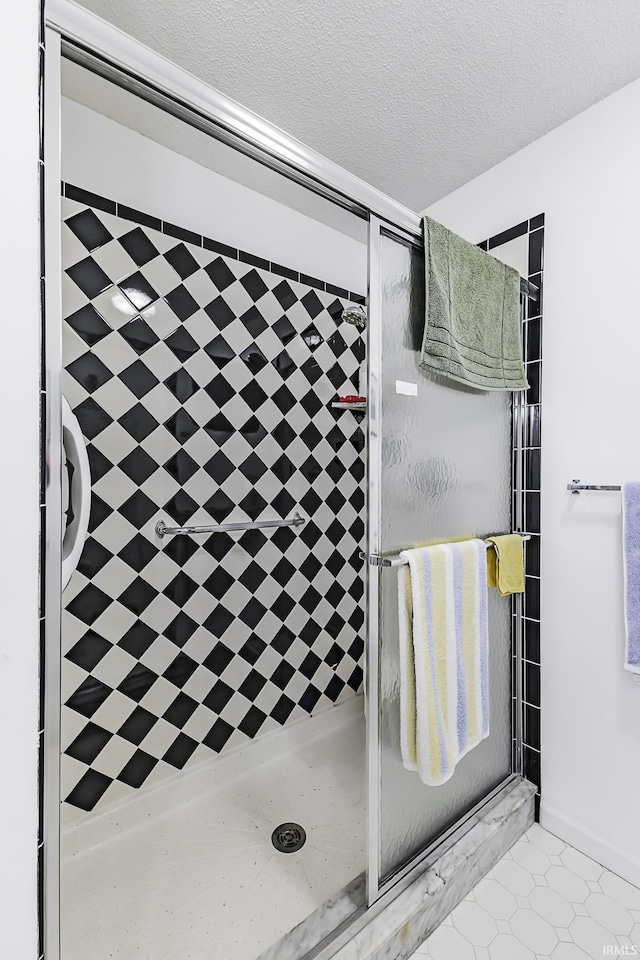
(108, 158)
(19, 412)
(585, 177)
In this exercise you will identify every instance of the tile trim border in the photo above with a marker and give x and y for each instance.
(533, 337)
(532, 340)
(80, 195)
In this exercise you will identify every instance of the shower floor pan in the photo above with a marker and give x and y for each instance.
(188, 870)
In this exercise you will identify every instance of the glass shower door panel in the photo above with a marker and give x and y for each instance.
(444, 472)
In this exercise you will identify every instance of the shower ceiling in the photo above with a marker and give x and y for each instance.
(416, 98)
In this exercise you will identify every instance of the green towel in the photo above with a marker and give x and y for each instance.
(472, 324)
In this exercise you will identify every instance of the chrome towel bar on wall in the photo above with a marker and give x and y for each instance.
(162, 530)
(576, 487)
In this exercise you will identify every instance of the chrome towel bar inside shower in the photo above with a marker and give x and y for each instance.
(162, 530)
(397, 561)
(576, 487)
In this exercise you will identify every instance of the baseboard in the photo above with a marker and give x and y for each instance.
(612, 857)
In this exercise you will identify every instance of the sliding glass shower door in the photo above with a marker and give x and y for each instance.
(439, 468)
(211, 738)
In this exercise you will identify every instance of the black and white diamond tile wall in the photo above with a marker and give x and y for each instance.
(203, 386)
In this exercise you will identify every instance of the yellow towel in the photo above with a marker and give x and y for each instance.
(505, 564)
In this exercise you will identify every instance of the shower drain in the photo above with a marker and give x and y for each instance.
(288, 837)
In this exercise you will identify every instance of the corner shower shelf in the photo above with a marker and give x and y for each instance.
(361, 407)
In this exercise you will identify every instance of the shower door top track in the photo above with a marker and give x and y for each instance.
(112, 54)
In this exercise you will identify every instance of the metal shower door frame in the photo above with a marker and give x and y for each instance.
(381, 889)
(373, 591)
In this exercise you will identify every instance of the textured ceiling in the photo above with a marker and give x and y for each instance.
(415, 96)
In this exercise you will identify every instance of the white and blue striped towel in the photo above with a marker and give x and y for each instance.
(444, 685)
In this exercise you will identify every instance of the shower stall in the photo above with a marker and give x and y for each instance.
(222, 774)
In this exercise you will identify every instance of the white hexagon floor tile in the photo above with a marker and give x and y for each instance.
(534, 931)
(447, 943)
(497, 901)
(545, 841)
(581, 865)
(618, 889)
(609, 913)
(530, 857)
(543, 901)
(474, 923)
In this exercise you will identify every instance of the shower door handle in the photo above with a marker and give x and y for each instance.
(75, 454)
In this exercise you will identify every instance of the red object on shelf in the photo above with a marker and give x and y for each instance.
(351, 398)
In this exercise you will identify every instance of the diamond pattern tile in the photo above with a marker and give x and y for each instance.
(203, 386)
